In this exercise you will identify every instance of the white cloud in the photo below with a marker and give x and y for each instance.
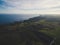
(33, 6)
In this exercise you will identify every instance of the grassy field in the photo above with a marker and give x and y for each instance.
(18, 37)
(54, 33)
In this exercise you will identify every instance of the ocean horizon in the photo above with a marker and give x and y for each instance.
(10, 18)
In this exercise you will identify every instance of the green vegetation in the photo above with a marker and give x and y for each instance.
(48, 25)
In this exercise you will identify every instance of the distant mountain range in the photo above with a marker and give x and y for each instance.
(48, 18)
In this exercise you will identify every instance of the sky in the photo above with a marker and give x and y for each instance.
(30, 6)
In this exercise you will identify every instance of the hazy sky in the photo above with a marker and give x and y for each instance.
(30, 6)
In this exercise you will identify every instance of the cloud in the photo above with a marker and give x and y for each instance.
(4, 4)
(30, 6)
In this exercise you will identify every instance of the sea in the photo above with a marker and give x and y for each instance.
(10, 18)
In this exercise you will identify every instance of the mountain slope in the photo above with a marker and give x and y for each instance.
(24, 31)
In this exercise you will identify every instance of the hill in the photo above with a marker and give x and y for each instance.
(22, 32)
